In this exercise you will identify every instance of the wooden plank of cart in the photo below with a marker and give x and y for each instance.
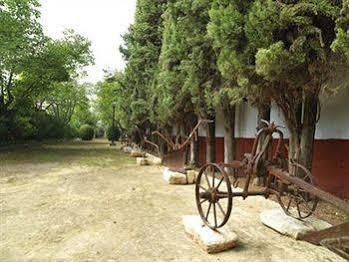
(291, 183)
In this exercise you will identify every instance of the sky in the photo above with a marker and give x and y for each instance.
(101, 21)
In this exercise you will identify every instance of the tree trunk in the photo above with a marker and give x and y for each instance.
(211, 142)
(2, 95)
(308, 132)
(163, 146)
(184, 133)
(194, 153)
(181, 133)
(263, 114)
(229, 136)
(8, 90)
(295, 128)
(194, 145)
(182, 138)
(293, 148)
(264, 110)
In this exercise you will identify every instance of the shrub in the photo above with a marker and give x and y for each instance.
(86, 132)
(113, 134)
(44, 124)
(56, 129)
(22, 128)
(4, 132)
(71, 132)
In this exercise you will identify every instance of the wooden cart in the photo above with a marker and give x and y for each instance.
(291, 183)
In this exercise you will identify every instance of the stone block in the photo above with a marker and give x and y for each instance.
(276, 219)
(141, 161)
(209, 240)
(153, 160)
(127, 149)
(174, 178)
(191, 176)
(137, 153)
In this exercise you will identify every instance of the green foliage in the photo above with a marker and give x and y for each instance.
(22, 128)
(341, 43)
(86, 132)
(108, 92)
(83, 114)
(57, 61)
(21, 38)
(170, 70)
(141, 51)
(47, 126)
(21, 32)
(187, 70)
(276, 61)
(38, 90)
(38, 126)
(63, 100)
(113, 134)
(261, 21)
(228, 28)
(187, 58)
(295, 45)
(298, 45)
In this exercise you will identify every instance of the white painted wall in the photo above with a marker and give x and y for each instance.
(202, 131)
(219, 125)
(333, 124)
(334, 118)
(245, 121)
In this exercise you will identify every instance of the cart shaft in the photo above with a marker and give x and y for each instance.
(284, 176)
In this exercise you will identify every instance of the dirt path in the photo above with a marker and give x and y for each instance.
(83, 202)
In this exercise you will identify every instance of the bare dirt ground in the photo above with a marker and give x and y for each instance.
(90, 202)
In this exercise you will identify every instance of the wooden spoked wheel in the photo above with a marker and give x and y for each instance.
(214, 198)
(295, 201)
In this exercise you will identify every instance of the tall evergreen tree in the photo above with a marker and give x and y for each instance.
(236, 62)
(187, 71)
(141, 51)
(303, 46)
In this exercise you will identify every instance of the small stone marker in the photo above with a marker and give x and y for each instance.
(142, 161)
(153, 160)
(174, 178)
(209, 240)
(276, 219)
(127, 149)
(137, 153)
(191, 176)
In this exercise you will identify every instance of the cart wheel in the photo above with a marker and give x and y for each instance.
(297, 202)
(213, 196)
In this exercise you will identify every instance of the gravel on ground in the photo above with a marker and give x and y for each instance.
(89, 202)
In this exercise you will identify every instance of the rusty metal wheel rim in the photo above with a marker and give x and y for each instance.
(305, 202)
(212, 196)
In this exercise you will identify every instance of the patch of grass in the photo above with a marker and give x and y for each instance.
(90, 154)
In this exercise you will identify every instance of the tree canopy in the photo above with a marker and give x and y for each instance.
(299, 56)
(38, 74)
(186, 58)
(141, 51)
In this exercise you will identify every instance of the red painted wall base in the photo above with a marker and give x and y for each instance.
(330, 165)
